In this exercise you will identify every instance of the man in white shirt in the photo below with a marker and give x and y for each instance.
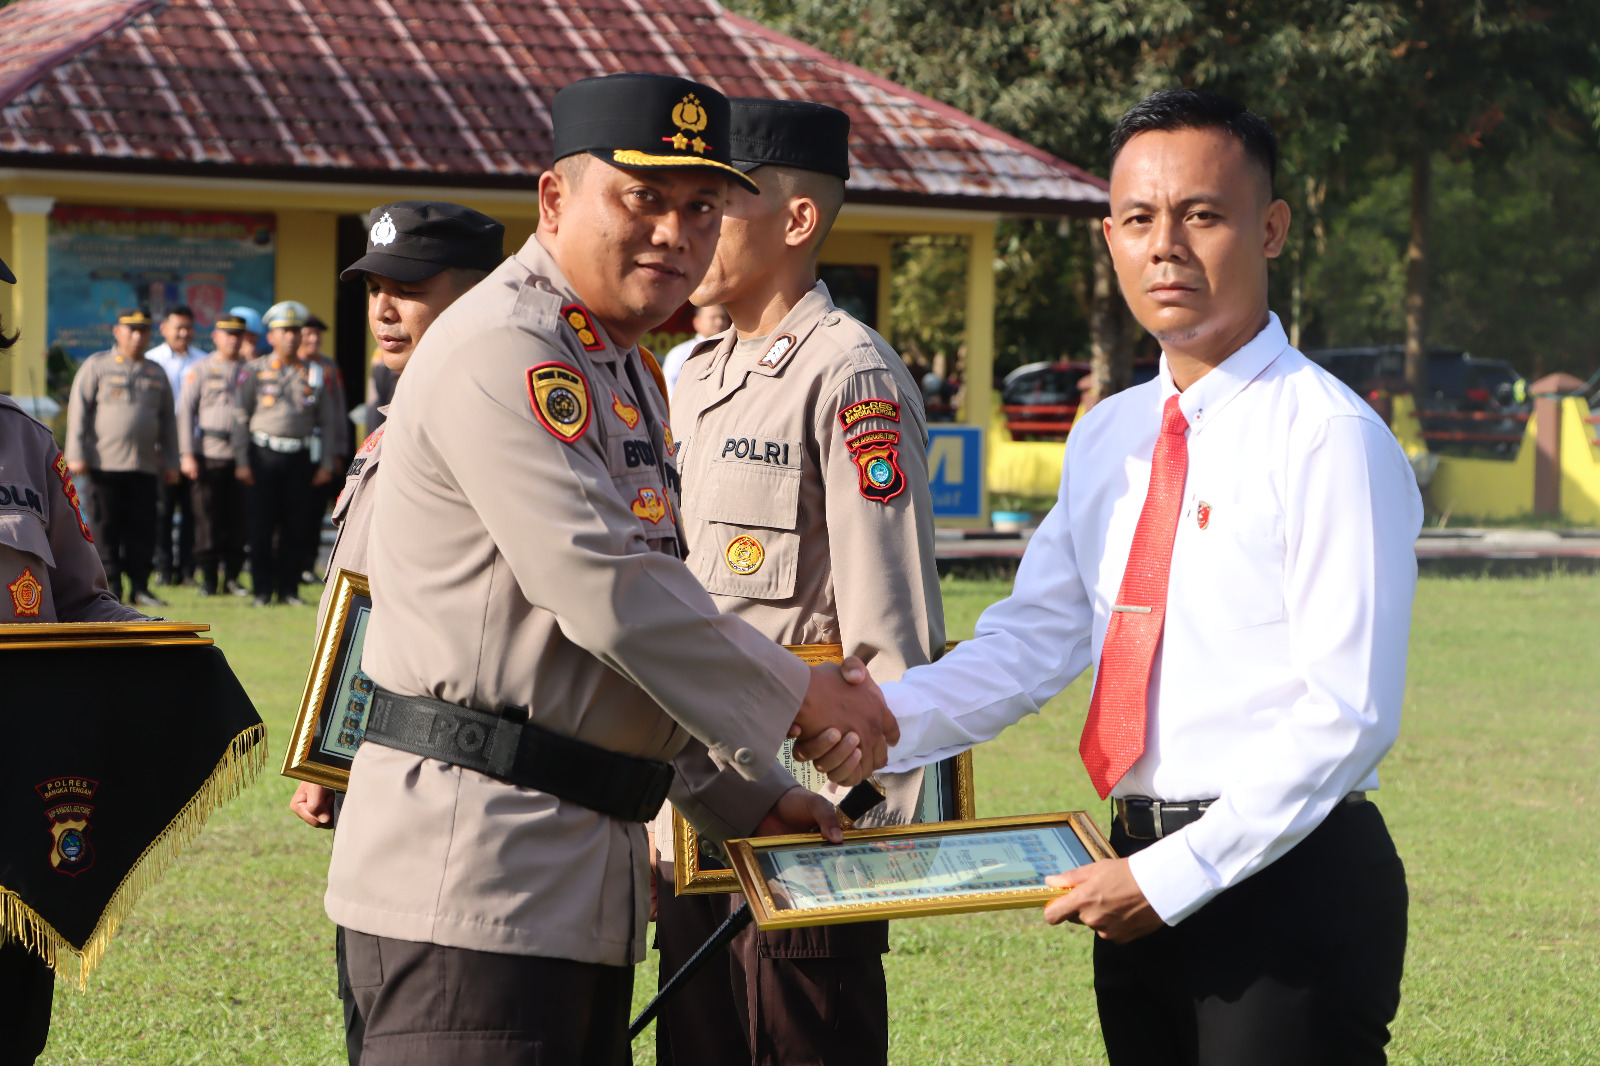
(175, 355)
(708, 322)
(1232, 548)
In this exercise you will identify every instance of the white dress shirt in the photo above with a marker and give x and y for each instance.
(175, 365)
(1278, 683)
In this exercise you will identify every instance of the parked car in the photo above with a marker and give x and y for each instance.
(1041, 399)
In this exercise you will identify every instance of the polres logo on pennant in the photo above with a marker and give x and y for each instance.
(384, 231)
(68, 811)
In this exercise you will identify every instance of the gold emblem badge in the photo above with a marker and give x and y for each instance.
(690, 117)
(649, 506)
(560, 397)
(27, 595)
(745, 555)
(630, 415)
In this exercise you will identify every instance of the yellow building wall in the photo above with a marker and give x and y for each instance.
(306, 266)
(1580, 464)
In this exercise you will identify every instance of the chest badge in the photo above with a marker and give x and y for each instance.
(27, 595)
(560, 396)
(630, 415)
(745, 555)
(666, 439)
(881, 477)
(578, 319)
(650, 506)
(779, 349)
(1202, 514)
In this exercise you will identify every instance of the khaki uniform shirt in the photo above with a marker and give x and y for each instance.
(120, 416)
(48, 565)
(524, 552)
(206, 405)
(334, 439)
(285, 399)
(352, 514)
(805, 499)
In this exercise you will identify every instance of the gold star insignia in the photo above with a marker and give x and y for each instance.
(699, 145)
(679, 141)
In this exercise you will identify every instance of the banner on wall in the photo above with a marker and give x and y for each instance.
(103, 259)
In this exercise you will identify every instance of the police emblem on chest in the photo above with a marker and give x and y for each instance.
(68, 814)
(745, 555)
(560, 397)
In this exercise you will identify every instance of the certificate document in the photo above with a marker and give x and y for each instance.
(986, 864)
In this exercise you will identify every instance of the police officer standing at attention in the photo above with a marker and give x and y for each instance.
(281, 401)
(50, 573)
(206, 406)
(539, 648)
(421, 256)
(802, 446)
(122, 433)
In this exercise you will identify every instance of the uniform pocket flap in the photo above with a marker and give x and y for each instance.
(745, 494)
(26, 533)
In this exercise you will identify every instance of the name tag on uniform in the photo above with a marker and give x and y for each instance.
(770, 451)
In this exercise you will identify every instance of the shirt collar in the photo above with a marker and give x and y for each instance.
(1202, 401)
(536, 258)
(798, 324)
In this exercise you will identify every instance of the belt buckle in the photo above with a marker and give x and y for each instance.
(1155, 819)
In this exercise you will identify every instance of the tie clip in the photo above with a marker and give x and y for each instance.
(1126, 609)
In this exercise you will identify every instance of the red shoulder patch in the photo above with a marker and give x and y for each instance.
(873, 408)
(560, 396)
(577, 316)
(71, 492)
(372, 441)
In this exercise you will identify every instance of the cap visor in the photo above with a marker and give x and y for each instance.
(6, 275)
(397, 267)
(627, 157)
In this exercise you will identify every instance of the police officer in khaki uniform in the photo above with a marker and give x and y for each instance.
(539, 648)
(802, 448)
(122, 433)
(426, 255)
(50, 573)
(281, 402)
(206, 405)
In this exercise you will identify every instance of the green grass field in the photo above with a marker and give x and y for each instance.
(1490, 793)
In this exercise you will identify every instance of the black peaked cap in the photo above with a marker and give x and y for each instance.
(412, 240)
(790, 133)
(645, 121)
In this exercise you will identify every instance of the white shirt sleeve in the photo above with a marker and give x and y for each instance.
(1352, 517)
(1027, 648)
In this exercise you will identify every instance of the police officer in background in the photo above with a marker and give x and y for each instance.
(206, 406)
(338, 442)
(51, 573)
(122, 433)
(802, 443)
(175, 354)
(281, 402)
(531, 615)
(436, 253)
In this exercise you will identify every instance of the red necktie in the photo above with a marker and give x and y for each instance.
(1113, 735)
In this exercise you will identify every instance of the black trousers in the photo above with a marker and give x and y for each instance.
(426, 1004)
(278, 502)
(791, 997)
(26, 989)
(171, 501)
(1297, 965)
(220, 505)
(122, 515)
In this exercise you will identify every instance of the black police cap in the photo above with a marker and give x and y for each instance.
(6, 275)
(412, 240)
(789, 133)
(645, 121)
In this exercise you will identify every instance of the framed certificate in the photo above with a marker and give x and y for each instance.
(338, 696)
(701, 867)
(979, 865)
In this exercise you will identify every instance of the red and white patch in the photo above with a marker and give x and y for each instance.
(372, 441)
(1202, 514)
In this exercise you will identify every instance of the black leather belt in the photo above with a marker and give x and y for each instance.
(1143, 818)
(512, 749)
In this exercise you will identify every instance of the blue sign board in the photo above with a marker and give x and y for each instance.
(955, 470)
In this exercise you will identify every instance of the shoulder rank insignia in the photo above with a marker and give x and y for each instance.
(70, 490)
(869, 409)
(578, 319)
(27, 595)
(560, 396)
(650, 506)
(881, 478)
(630, 415)
(745, 555)
(779, 349)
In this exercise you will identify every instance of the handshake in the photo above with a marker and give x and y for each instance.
(844, 727)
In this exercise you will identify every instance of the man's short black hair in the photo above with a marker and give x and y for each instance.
(181, 309)
(1196, 109)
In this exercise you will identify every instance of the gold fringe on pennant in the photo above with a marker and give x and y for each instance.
(244, 760)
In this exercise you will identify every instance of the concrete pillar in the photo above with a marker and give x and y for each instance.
(1547, 395)
(307, 266)
(30, 299)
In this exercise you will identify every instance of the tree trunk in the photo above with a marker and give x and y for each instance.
(1417, 276)
(1110, 332)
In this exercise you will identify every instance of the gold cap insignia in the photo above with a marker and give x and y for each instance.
(745, 555)
(690, 117)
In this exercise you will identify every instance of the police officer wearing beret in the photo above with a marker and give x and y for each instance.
(422, 255)
(803, 445)
(540, 650)
(122, 433)
(282, 401)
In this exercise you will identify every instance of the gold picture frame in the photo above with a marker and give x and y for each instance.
(338, 695)
(701, 867)
(37, 635)
(995, 864)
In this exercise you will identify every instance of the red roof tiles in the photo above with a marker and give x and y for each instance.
(454, 91)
